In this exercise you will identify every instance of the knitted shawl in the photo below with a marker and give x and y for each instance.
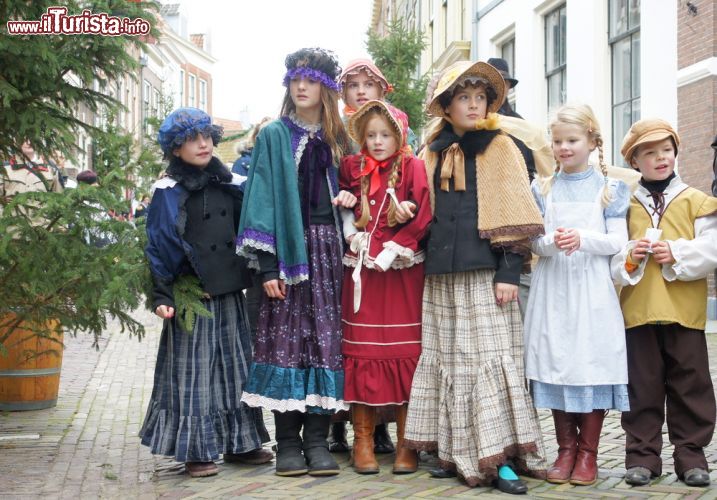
(507, 213)
(271, 218)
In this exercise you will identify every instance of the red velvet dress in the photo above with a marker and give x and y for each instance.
(382, 340)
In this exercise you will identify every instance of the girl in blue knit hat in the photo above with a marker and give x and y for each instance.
(195, 413)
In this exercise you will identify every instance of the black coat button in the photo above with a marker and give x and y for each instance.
(213, 247)
(224, 213)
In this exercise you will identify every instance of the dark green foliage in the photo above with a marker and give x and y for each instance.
(398, 55)
(49, 268)
(45, 78)
(187, 297)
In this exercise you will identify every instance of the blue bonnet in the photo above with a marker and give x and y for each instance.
(185, 124)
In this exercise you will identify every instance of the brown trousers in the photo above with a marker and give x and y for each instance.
(668, 364)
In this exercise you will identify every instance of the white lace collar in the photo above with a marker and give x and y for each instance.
(310, 128)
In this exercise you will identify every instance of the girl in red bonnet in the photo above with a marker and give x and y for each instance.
(383, 282)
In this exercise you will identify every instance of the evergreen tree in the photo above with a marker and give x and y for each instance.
(398, 55)
(47, 78)
(50, 268)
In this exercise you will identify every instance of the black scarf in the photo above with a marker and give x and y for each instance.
(472, 142)
(194, 178)
(657, 192)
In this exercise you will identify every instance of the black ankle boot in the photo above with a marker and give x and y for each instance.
(382, 440)
(316, 448)
(289, 457)
(337, 438)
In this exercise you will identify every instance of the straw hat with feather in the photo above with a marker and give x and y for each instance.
(457, 74)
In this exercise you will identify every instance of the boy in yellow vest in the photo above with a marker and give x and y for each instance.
(663, 269)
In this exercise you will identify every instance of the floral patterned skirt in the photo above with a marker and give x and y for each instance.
(297, 353)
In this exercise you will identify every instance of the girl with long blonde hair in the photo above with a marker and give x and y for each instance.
(575, 336)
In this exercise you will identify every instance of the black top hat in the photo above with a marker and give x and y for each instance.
(502, 66)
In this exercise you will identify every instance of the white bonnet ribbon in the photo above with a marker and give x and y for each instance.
(359, 245)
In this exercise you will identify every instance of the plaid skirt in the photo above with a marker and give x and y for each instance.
(469, 399)
(195, 413)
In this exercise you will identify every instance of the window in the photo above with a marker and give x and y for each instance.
(431, 38)
(433, 41)
(555, 72)
(444, 19)
(121, 99)
(202, 95)
(155, 103)
(130, 107)
(624, 21)
(507, 52)
(181, 88)
(192, 91)
(147, 90)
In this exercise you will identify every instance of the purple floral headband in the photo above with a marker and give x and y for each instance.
(311, 74)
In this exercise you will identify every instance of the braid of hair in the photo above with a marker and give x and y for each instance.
(365, 209)
(606, 198)
(546, 183)
(392, 181)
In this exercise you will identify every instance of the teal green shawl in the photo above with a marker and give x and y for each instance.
(271, 212)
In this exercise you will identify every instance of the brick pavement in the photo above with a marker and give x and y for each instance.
(87, 447)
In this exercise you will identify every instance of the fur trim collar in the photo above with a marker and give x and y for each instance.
(193, 178)
(472, 143)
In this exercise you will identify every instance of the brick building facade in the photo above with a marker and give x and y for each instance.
(697, 89)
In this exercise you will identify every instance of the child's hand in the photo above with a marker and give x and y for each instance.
(164, 312)
(345, 199)
(275, 289)
(378, 268)
(640, 250)
(505, 292)
(661, 253)
(567, 239)
(404, 211)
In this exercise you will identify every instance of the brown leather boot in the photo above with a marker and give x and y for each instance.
(406, 459)
(585, 470)
(362, 456)
(566, 433)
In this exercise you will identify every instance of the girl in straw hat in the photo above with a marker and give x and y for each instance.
(290, 231)
(469, 401)
(383, 282)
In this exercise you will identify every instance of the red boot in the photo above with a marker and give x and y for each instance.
(585, 470)
(566, 433)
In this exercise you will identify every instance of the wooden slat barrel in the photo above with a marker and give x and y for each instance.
(30, 382)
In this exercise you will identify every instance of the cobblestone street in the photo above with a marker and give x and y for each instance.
(87, 446)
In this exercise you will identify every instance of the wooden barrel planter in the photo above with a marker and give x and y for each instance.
(30, 373)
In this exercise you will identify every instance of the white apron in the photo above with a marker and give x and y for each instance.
(574, 329)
